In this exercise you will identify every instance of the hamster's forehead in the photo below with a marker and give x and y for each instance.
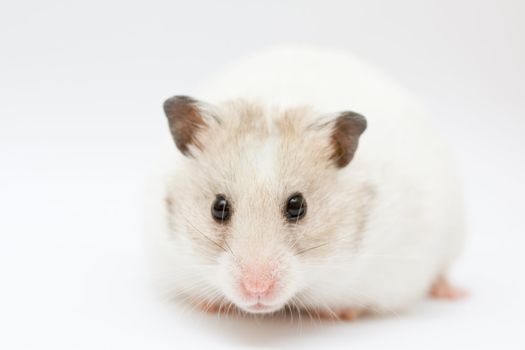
(259, 148)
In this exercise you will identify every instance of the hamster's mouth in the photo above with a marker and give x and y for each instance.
(260, 308)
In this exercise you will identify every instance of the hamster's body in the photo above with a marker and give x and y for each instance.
(398, 224)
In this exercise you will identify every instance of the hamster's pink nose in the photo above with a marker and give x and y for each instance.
(257, 285)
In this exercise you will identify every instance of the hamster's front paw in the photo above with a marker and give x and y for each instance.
(442, 289)
(344, 314)
(348, 314)
(215, 307)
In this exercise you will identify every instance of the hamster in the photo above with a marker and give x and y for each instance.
(302, 179)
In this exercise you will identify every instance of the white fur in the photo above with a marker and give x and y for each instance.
(413, 228)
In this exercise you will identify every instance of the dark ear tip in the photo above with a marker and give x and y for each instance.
(352, 122)
(175, 101)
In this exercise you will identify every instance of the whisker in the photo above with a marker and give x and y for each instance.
(312, 248)
(204, 235)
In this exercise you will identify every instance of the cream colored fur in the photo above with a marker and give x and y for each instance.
(387, 224)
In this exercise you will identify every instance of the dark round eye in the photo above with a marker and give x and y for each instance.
(295, 207)
(220, 209)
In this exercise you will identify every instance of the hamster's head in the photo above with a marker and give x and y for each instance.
(257, 202)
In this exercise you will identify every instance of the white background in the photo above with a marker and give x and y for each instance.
(81, 87)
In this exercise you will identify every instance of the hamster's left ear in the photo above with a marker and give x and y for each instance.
(187, 117)
(346, 128)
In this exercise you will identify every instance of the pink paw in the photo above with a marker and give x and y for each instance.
(442, 289)
(215, 307)
(345, 314)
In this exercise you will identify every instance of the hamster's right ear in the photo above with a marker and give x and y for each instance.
(345, 130)
(186, 118)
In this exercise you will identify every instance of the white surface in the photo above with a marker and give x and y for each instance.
(81, 88)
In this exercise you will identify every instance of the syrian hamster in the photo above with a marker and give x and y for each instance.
(303, 179)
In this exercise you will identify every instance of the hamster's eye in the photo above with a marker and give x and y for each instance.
(295, 207)
(220, 209)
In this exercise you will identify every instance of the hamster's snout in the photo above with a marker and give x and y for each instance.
(258, 284)
(258, 287)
